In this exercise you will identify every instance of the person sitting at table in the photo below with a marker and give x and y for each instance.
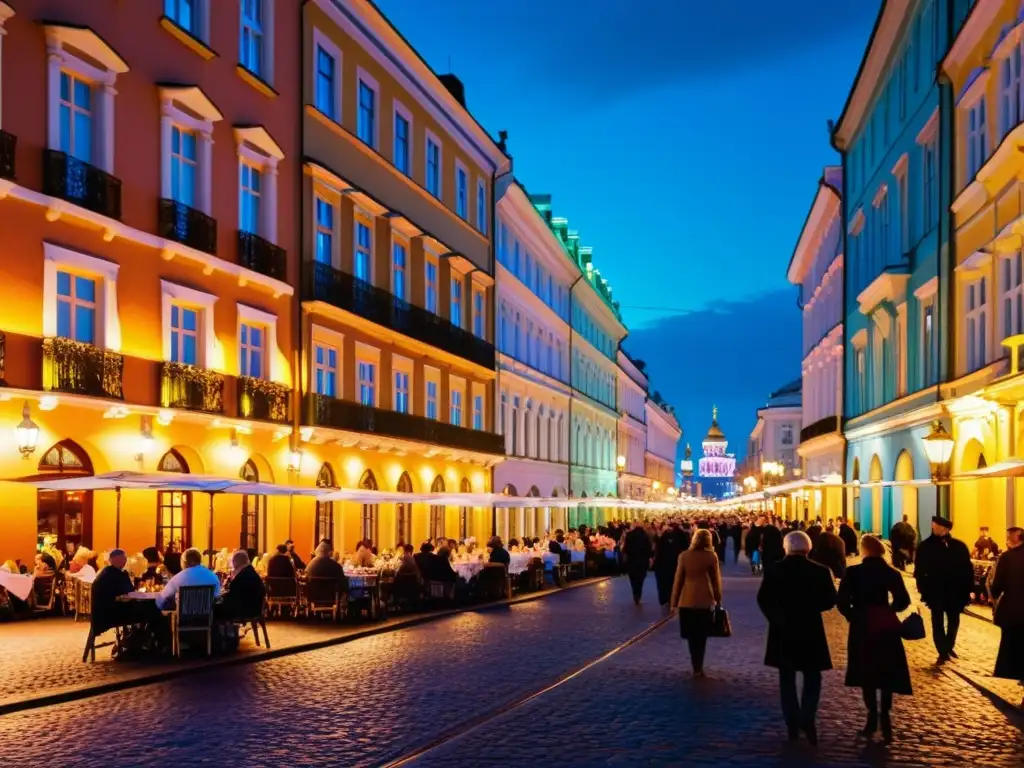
(194, 574)
(364, 555)
(111, 583)
(296, 560)
(324, 566)
(154, 566)
(554, 547)
(408, 566)
(245, 591)
(425, 560)
(45, 566)
(498, 552)
(280, 565)
(80, 560)
(172, 559)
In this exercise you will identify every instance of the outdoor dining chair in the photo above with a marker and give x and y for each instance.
(193, 612)
(323, 595)
(282, 594)
(44, 590)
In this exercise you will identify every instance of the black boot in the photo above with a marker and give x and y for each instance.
(886, 727)
(872, 724)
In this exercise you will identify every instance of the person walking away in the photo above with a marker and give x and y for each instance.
(736, 531)
(666, 555)
(849, 537)
(722, 529)
(876, 661)
(1008, 592)
(696, 590)
(752, 544)
(945, 578)
(830, 551)
(792, 597)
(771, 547)
(902, 536)
(638, 559)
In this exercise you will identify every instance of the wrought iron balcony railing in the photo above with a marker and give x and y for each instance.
(325, 411)
(178, 222)
(825, 426)
(263, 400)
(82, 369)
(8, 144)
(191, 388)
(78, 182)
(260, 255)
(345, 291)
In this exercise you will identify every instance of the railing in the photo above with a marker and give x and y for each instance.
(191, 388)
(8, 144)
(825, 426)
(325, 411)
(262, 256)
(178, 222)
(77, 182)
(263, 400)
(82, 369)
(345, 291)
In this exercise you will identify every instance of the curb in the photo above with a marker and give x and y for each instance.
(63, 697)
(1000, 702)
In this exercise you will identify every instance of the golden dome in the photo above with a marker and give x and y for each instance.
(715, 433)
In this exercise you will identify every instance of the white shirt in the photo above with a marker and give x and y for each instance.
(196, 576)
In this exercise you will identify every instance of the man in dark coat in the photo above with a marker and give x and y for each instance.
(903, 537)
(638, 559)
(944, 577)
(849, 537)
(280, 564)
(753, 542)
(736, 532)
(1008, 591)
(245, 591)
(112, 582)
(793, 595)
(666, 557)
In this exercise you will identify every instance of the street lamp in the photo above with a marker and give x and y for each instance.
(620, 462)
(28, 433)
(938, 446)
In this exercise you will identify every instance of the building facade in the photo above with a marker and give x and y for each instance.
(717, 467)
(633, 444)
(663, 435)
(817, 269)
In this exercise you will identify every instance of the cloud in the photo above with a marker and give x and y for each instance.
(731, 355)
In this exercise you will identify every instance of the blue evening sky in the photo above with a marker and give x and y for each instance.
(684, 140)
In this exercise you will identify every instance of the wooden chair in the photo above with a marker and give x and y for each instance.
(323, 595)
(535, 575)
(91, 645)
(193, 612)
(82, 598)
(406, 592)
(255, 623)
(439, 591)
(44, 590)
(282, 593)
(494, 582)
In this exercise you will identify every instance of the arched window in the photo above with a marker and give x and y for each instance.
(403, 511)
(464, 487)
(173, 508)
(324, 528)
(370, 511)
(254, 510)
(437, 510)
(66, 516)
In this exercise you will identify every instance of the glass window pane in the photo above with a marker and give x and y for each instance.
(83, 95)
(189, 352)
(256, 364)
(85, 289)
(65, 87)
(84, 324)
(191, 319)
(256, 336)
(64, 319)
(63, 284)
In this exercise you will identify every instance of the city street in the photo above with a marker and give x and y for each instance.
(434, 695)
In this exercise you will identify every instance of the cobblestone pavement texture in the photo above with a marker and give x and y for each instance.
(353, 704)
(374, 699)
(44, 656)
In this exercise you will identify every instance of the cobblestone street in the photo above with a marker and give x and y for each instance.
(380, 698)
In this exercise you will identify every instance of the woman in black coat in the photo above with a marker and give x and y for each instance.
(667, 548)
(876, 660)
(771, 546)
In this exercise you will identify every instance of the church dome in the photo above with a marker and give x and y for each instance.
(715, 433)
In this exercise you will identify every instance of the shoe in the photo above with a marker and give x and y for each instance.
(953, 654)
(699, 673)
(794, 733)
(886, 728)
(812, 733)
(943, 658)
(871, 725)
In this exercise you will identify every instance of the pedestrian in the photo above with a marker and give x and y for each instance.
(638, 559)
(752, 544)
(771, 546)
(830, 551)
(696, 590)
(945, 578)
(667, 549)
(902, 537)
(849, 537)
(985, 548)
(792, 597)
(736, 531)
(876, 662)
(1008, 591)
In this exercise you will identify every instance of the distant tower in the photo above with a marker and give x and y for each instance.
(716, 466)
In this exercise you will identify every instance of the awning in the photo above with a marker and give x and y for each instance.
(1011, 467)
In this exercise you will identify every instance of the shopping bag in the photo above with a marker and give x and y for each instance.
(720, 624)
(912, 627)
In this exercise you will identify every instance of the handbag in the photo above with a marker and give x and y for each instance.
(912, 627)
(720, 624)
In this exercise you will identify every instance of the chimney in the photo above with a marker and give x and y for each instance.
(455, 87)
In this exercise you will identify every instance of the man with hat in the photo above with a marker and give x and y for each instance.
(944, 577)
(985, 548)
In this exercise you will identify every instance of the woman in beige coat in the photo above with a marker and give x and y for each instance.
(697, 589)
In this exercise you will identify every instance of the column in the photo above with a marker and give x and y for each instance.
(205, 191)
(166, 128)
(107, 122)
(270, 212)
(53, 62)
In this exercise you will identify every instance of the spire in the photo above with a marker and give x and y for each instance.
(715, 434)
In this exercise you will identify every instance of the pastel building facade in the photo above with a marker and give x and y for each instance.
(663, 435)
(633, 442)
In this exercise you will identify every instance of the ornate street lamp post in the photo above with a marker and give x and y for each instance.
(28, 433)
(938, 446)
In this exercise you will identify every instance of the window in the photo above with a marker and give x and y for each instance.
(515, 258)
(916, 54)
(362, 264)
(786, 435)
(250, 345)
(430, 270)
(76, 117)
(977, 324)
(432, 400)
(402, 142)
(884, 230)
(1010, 91)
(249, 198)
(366, 123)
(325, 98)
(455, 412)
(455, 315)
(901, 85)
(930, 196)
(183, 13)
(904, 193)
(433, 172)
(862, 380)
(478, 314)
(977, 141)
(325, 370)
(184, 335)
(324, 231)
(481, 206)
(183, 166)
(461, 192)
(402, 391)
(367, 383)
(251, 51)
(928, 345)
(1012, 288)
(76, 307)
(399, 263)
(478, 411)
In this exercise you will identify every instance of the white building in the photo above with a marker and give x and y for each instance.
(632, 384)
(663, 435)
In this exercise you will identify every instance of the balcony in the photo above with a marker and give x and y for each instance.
(82, 369)
(262, 256)
(825, 426)
(345, 291)
(191, 388)
(8, 144)
(176, 221)
(68, 178)
(263, 400)
(325, 411)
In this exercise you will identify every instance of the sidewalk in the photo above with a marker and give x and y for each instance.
(41, 663)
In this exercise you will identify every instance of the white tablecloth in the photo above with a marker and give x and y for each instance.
(468, 570)
(17, 584)
(518, 561)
